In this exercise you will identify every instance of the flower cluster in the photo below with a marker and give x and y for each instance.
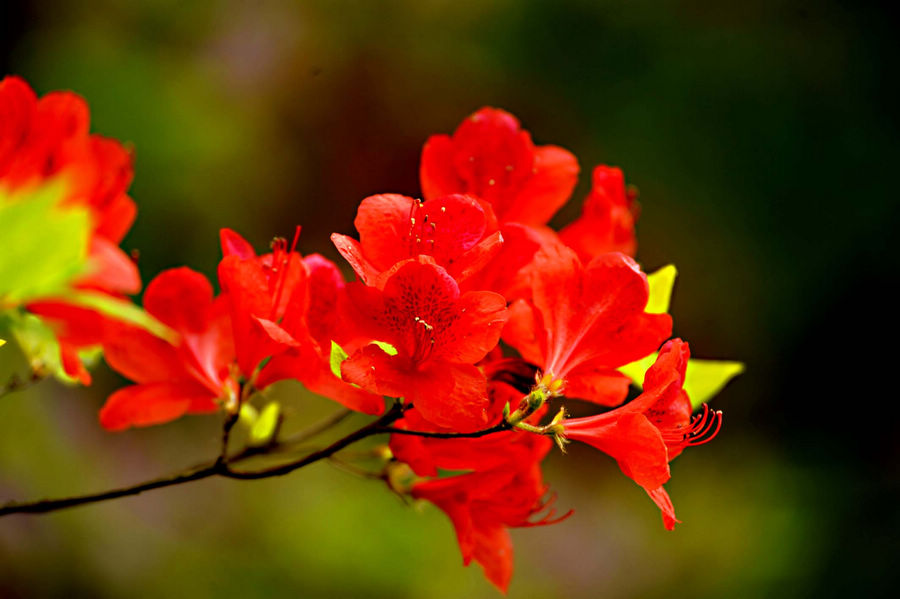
(468, 313)
(44, 139)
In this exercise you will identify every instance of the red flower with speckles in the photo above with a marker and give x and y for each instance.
(492, 157)
(644, 435)
(438, 333)
(457, 231)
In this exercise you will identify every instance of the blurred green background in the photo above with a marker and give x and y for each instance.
(761, 135)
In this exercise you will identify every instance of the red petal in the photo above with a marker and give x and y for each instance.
(476, 331)
(494, 552)
(180, 298)
(141, 357)
(350, 249)
(600, 385)
(235, 245)
(662, 500)
(111, 269)
(632, 440)
(548, 189)
(17, 106)
(117, 218)
(383, 222)
(144, 405)
(437, 174)
(452, 396)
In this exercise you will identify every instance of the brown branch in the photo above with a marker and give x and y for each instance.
(17, 383)
(223, 467)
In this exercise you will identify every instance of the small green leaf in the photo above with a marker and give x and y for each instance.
(661, 283)
(37, 342)
(703, 379)
(123, 310)
(386, 348)
(45, 246)
(247, 415)
(338, 355)
(266, 426)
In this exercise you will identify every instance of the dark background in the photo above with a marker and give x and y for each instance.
(762, 136)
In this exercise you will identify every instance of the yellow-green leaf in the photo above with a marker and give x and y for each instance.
(338, 355)
(703, 379)
(37, 342)
(45, 246)
(266, 425)
(386, 348)
(661, 283)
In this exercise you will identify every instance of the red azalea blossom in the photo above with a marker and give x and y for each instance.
(322, 324)
(607, 221)
(644, 435)
(49, 137)
(484, 504)
(438, 334)
(491, 157)
(456, 230)
(586, 321)
(261, 292)
(191, 374)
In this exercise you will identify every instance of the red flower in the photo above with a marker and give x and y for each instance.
(189, 375)
(586, 321)
(484, 504)
(438, 334)
(455, 230)
(48, 137)
(261, 291)
(607, 220)
(644, 435)
(490, 156)
(322, 323)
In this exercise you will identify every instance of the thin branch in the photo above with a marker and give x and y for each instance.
(17, 383)
(223, 467)
(502, 426)
(52, 505)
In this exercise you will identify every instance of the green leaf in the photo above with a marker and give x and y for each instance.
(338, 355)
(266, 425)
(661, 283)
(120, 309)
(37, 342)
(45, 246)
(386, 348)
(248, 415)
(703, 379)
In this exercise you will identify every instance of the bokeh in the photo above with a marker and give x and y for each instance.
(761, 135)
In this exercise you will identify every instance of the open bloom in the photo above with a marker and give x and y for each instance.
(48, 137)
(192, 373)
(492, 157)
(457, 231)
(585, 321)
(607, 220)
(438, 335)
(644, 435)
(484, 504)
